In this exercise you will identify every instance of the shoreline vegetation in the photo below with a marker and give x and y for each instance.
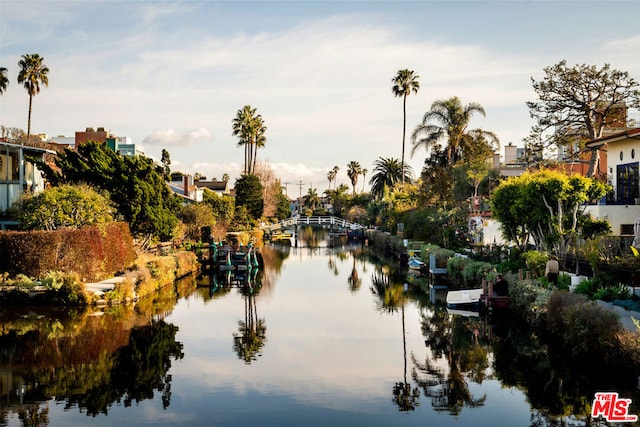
(147, 275)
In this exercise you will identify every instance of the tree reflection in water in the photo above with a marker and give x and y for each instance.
(456, 339)
(390, 297)
(252, 332)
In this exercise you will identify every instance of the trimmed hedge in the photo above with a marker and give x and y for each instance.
(95, 253)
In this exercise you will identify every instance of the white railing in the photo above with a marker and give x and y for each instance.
(313, 220)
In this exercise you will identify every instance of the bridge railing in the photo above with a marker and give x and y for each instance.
(313, 220)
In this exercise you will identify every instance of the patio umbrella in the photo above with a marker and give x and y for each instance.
(636, 233)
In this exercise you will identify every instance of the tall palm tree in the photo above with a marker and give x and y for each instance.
(404, 82)
(250, 129)
(335, 171)
(4, 80)
(448, 119)
(387, 173)
(364, 177)
(353, 171)
(331, 175)
(32, 73)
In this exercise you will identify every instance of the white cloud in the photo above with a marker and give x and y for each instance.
(170, 137)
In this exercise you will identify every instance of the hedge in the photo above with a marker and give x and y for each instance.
(95, 253)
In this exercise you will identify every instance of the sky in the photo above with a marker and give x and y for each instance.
(173, 74)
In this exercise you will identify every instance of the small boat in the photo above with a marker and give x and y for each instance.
(416, 264)
(464, 298)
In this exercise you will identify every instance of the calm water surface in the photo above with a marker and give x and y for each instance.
(326, 339)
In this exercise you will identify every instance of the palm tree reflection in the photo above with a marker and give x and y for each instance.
(252, 332)
(456, 339)
(391, 296)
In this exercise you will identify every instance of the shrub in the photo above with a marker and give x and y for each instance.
(536, 262)
(564, 282)
(558, 301)
(442, 257)
(529, 299)
(475, 271)
(590, 330)
(455, 266)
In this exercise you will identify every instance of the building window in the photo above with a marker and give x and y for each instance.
(627, 177)
(626, 229)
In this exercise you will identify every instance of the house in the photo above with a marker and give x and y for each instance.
(19, 174)
(186, 189)
(119, 144)
(622, 205)
(221, 188)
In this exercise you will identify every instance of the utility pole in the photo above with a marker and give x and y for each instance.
(286, 187)
(300, 184)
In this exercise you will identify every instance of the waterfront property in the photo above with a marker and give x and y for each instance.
(19, 174)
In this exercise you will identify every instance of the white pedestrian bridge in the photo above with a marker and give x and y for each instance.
(312, 220)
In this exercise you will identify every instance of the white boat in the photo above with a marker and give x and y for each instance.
(463, 298)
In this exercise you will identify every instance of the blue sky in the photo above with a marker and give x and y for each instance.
(173, 74)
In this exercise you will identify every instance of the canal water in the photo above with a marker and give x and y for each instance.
(321, 337)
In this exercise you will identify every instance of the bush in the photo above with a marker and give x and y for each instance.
(555, 309)
(536, 261)
(475, 271)
(455, 266)
(564, 282)
(530, 299)
(590, 330)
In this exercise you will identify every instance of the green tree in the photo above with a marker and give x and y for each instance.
(222, 206)
(448, 119)
(137, 189)
(575, 104)
(195, 216)
(546, 205)
(332, 174)
(353, 172)
(283, 206)
(404, 82)
(387, 172)
(249, 194)
(312, 200)
(166, 164)
(66, 206)
(32, 73)
(250, 129)
(4, 80)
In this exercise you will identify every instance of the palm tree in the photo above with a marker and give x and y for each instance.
(404, 83)
(250, 130)
(312, 199)
(387, 173)
(32, 73)
(335, 171)
(364, 177)
(353, 171)
(451, 121)
(4, 80)
(331, 175)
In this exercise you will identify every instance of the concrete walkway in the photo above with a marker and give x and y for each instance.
(625, 315)
(99, 288)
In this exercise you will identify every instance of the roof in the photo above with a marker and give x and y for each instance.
(213, 185)
(615, 137)
(28, 148)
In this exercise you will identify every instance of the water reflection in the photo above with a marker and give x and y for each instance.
(456, 339)
(252, 332)
(337, 320)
